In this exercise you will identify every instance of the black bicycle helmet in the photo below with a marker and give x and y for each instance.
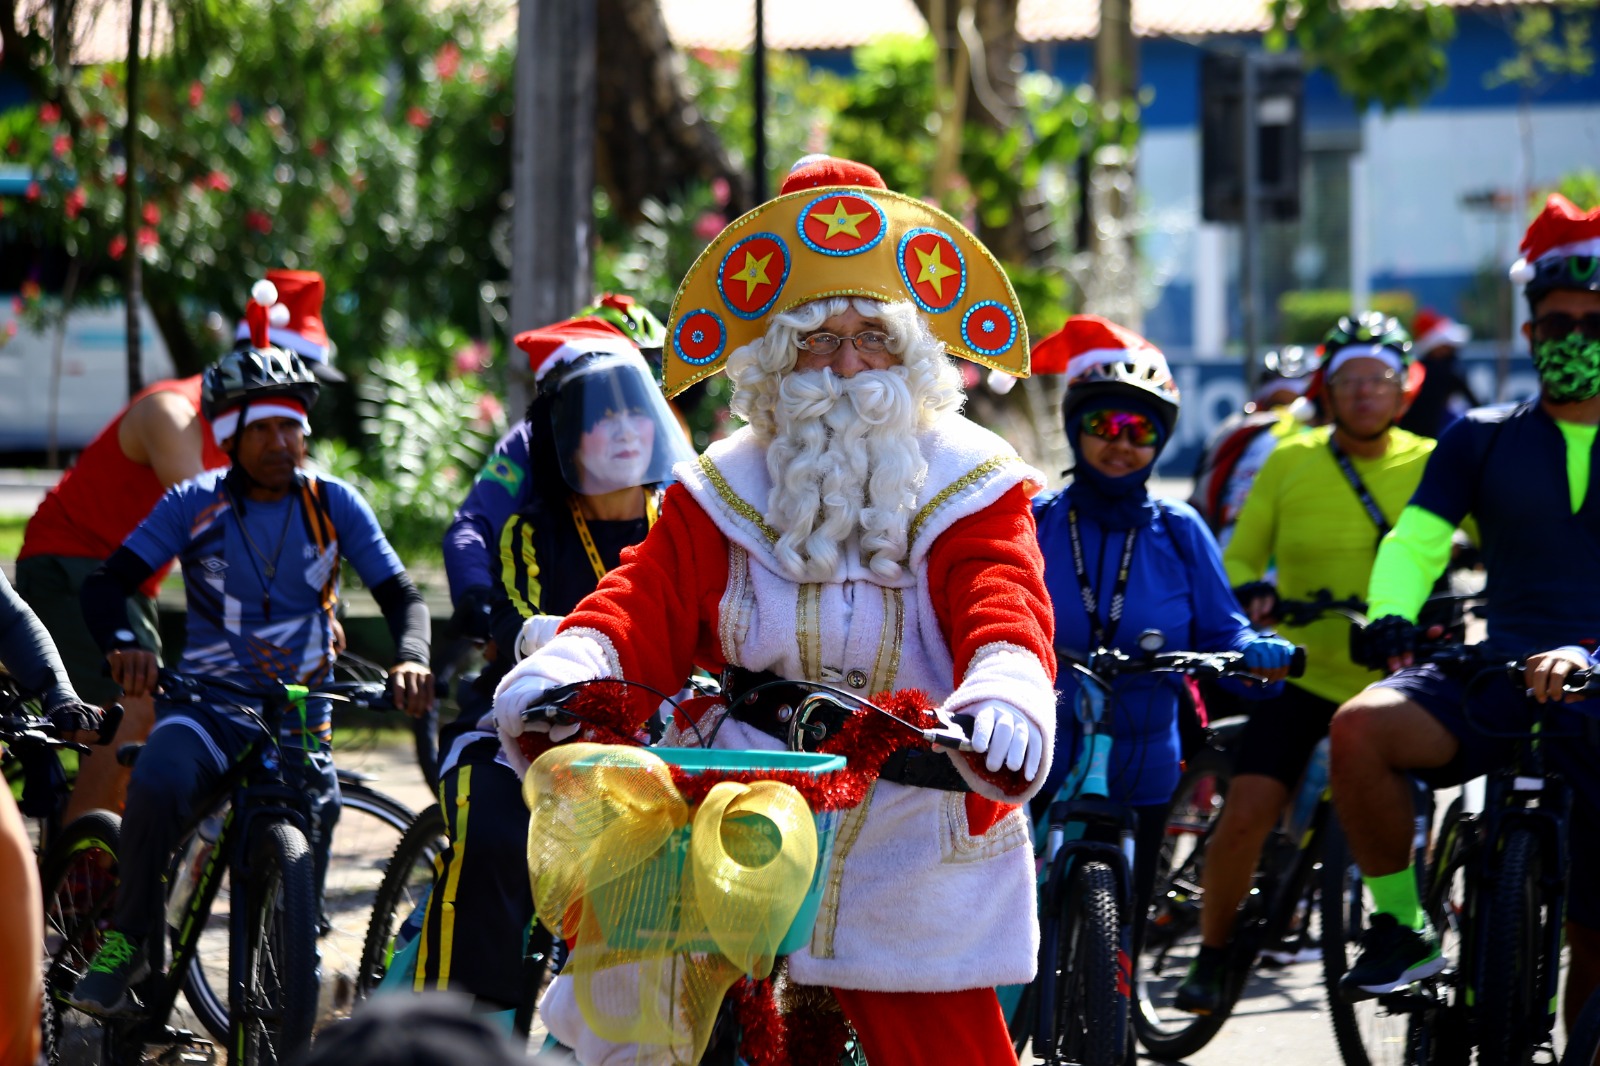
(255, 375)
(1370, 328)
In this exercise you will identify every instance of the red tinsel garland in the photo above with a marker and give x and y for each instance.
(762, 1034)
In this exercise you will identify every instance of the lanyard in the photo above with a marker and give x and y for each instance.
(1374, 512)
(1091, 602)
(651, 510)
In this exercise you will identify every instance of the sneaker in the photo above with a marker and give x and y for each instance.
(1201, 990)
(104, 989)
(1392, 957)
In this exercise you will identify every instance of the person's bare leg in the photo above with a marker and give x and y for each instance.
(102, 781)
(1583, 971)
(1373, 739)
(1254, 803)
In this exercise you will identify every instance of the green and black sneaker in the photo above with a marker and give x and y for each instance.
(1391, 958)
(1201, 991)
(104, 989)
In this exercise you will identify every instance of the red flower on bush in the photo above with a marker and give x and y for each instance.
(152, 214)
(197, 93)
(49, 113)
(148, 238)
(118, 245)
(32, 195)
(108, 78)
(418, 117)
(447, 60)
(235, 113)
(708, 225)
(74, 203)
(217, 181)
(259, 221)
(61, 146)
(319, 147)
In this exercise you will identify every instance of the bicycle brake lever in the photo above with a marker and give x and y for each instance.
(954, 733)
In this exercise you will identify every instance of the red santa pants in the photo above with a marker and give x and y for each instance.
(929, 1028)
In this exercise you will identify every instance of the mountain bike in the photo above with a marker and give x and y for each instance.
(1497, 894)
(1077, 1009)
(261, 843)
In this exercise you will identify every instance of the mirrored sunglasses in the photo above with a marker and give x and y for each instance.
(1140, 430)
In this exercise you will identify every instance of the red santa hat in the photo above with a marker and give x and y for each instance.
(1562, 229)
(1085, 341)
(1433, 330)
(298, 327)
(550, 346)
(823, 171)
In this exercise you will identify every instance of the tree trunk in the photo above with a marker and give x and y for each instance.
(652, 141)
(133, 281)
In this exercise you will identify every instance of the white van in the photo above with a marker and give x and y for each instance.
(93, 383)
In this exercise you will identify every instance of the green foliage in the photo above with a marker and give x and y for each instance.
(1305, 317)
(1582, 188)
(1551, 42)
(1392, 55)
(375, 155)
(423, 438)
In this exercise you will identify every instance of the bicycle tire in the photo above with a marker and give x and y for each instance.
(1508, 999)
(1583, 1040)
(1172, 930)
(1441, 1036)
(1362, 1028)
(369, 828)
(79, 879)
(407, 878)
(1090, 1027)
(273, 1024)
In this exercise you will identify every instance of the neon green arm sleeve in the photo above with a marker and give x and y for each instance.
(1250, 548)
(1410, 560)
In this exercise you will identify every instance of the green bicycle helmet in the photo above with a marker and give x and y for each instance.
(632, 318)
(1370, 329)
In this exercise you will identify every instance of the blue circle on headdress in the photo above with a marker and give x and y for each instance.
(988, 341)
(708, 339)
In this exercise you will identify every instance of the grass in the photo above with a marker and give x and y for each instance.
(11, 527)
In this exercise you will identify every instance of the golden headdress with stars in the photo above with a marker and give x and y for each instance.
(835, 229)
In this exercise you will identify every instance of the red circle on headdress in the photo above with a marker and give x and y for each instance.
(752, 273)
(841, 224)
(932, 265)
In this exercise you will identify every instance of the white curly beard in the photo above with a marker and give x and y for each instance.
(844, 462)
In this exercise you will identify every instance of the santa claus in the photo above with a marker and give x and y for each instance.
(857, 531)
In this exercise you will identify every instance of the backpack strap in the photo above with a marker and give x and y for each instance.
(321, 530)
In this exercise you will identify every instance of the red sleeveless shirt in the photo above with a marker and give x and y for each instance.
(105, 495)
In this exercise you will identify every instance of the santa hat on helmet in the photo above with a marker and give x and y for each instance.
(1084, 341)
(563, 342)
(1433, 330)
(298, 327)
(1562, 229)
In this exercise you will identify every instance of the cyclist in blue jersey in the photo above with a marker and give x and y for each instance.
(260, 544)
(1117, 563)
(1525, 474)
(589, 459)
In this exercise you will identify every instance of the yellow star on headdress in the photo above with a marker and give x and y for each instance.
(934, 270)
(754, 272)
(841, 221)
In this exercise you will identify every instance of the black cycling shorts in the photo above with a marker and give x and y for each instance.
(1282, 733)
(1498, 705)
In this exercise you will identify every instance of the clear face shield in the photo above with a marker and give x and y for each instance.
(613, 428)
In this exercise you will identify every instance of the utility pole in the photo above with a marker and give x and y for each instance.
(552, 169)
(133, 281)
(1112, 288)
(758, 163)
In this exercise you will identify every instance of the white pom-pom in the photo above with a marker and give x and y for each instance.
(1000, 382)
(264, 293)
(1521, 272)
(278, 315)
(1303, 410)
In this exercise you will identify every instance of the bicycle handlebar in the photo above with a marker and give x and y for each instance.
(370, 695)
(1107, 663)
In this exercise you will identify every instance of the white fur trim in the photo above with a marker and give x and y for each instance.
(1085, 361)
(227, 423)
(574, 655)
(568, 352)
(1448, 333)
(1381, 352)
(1009, 674)
(1588, 246)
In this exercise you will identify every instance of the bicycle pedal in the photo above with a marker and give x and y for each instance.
(183, 1048)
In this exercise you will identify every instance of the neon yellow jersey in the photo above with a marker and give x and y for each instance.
(1304, 516)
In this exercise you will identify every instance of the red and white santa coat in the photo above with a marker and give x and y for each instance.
(930, 890)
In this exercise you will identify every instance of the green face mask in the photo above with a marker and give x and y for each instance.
(1569, 367)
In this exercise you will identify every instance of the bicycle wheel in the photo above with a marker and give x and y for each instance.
(1091, 1008)
(80, 878)
(279, 1008)
(369, 828)
(1510, 971)
(1367, 1032)
(1172, 930)
(1440, 1034)
(403, 892)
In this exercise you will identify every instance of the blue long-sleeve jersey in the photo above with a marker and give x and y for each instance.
(503, 488)
(1176, 584)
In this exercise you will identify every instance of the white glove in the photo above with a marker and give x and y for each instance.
(1009, 737)
(513, 700)
(536, 633)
